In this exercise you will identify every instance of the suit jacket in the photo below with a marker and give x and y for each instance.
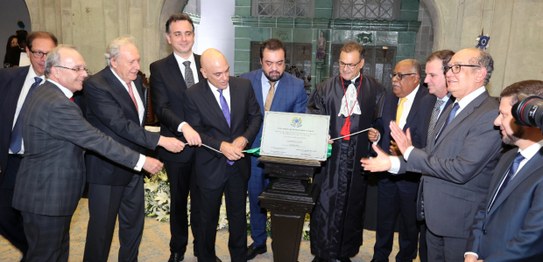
(11, 84)
(417, 119)
(110, 109)
(51, 178)
(205, 115)
(458, 166)
(167, 93)
(290, 96)
(512, 229)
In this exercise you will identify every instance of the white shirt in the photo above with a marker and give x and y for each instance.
(180, 61)
(193, 68)
(29, 80)
(225, 93)
(141, 107)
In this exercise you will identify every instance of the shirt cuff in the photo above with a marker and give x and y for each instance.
(180, 127)
(394, 164)
(141, 162)
(471, 253)
(408, 152)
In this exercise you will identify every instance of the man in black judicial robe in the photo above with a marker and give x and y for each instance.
(352, 101)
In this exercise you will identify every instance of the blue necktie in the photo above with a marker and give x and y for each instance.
(17, 132)
(450, 118)
(224, 107)
(510, 174)
(226, 113)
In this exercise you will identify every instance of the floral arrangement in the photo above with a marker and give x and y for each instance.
(157, 196)
(157, 204)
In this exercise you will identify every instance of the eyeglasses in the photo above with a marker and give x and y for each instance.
(456, 68)
(38, 54)
(350, 66)
(75, 69)
(400, 75)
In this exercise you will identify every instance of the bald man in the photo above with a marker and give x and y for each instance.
(225, 112)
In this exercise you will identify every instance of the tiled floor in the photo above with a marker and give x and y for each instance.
(154, 246)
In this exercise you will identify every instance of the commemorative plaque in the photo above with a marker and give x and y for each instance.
(294, 135)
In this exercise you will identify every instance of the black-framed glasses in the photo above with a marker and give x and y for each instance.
(75, 69)
(456, 68)
(350, 66)
(400, 75)
(38, 54)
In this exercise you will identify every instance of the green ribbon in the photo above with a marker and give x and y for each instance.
(256, 151)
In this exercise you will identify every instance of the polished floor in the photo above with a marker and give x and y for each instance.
(154, 246)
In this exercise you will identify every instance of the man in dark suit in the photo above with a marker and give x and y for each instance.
(457, 165)
(51, 179)
(410, 106)
(15, 84)
(437, 86)
(225, 112)
(287, 95)
(115, 104)
(170, 78)
(509, 224)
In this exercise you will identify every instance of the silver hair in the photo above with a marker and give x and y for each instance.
(53, 58)
(114, 47)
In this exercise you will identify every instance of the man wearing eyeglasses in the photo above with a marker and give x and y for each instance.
(115, 105)
(351, 100)
(410, 106)
(15, 86)
(275, 90)
(457, 165)
(51, 178)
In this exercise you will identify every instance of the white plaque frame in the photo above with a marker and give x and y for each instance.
(295, 135)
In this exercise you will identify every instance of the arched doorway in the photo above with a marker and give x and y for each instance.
(10, 13)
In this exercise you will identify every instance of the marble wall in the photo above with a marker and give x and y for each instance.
(514, 26)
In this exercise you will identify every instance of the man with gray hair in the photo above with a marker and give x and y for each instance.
(51, 178)
(458, 162)
(114, 103)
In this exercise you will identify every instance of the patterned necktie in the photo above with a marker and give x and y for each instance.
(399, 111)
(433, 118)
(189, 77)
(226, 113)
(269, 97)
(17, 132)
(510, 174)
(450, 118)
(131, 93)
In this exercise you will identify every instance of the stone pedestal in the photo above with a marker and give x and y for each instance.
(289, 197)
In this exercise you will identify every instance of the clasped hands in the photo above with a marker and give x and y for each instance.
(234, 151)
(382, 162)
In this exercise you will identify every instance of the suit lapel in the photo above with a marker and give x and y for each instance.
(210, 99)
(415, 107)
(175, 78)
(466, 112)
(257, 83)
(526, 172)
(121, 94)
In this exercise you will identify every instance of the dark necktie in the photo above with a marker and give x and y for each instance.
(17, 132)
(226, 113)
(189, 77)
(510, 174)
(450, 118)
(433, 118)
